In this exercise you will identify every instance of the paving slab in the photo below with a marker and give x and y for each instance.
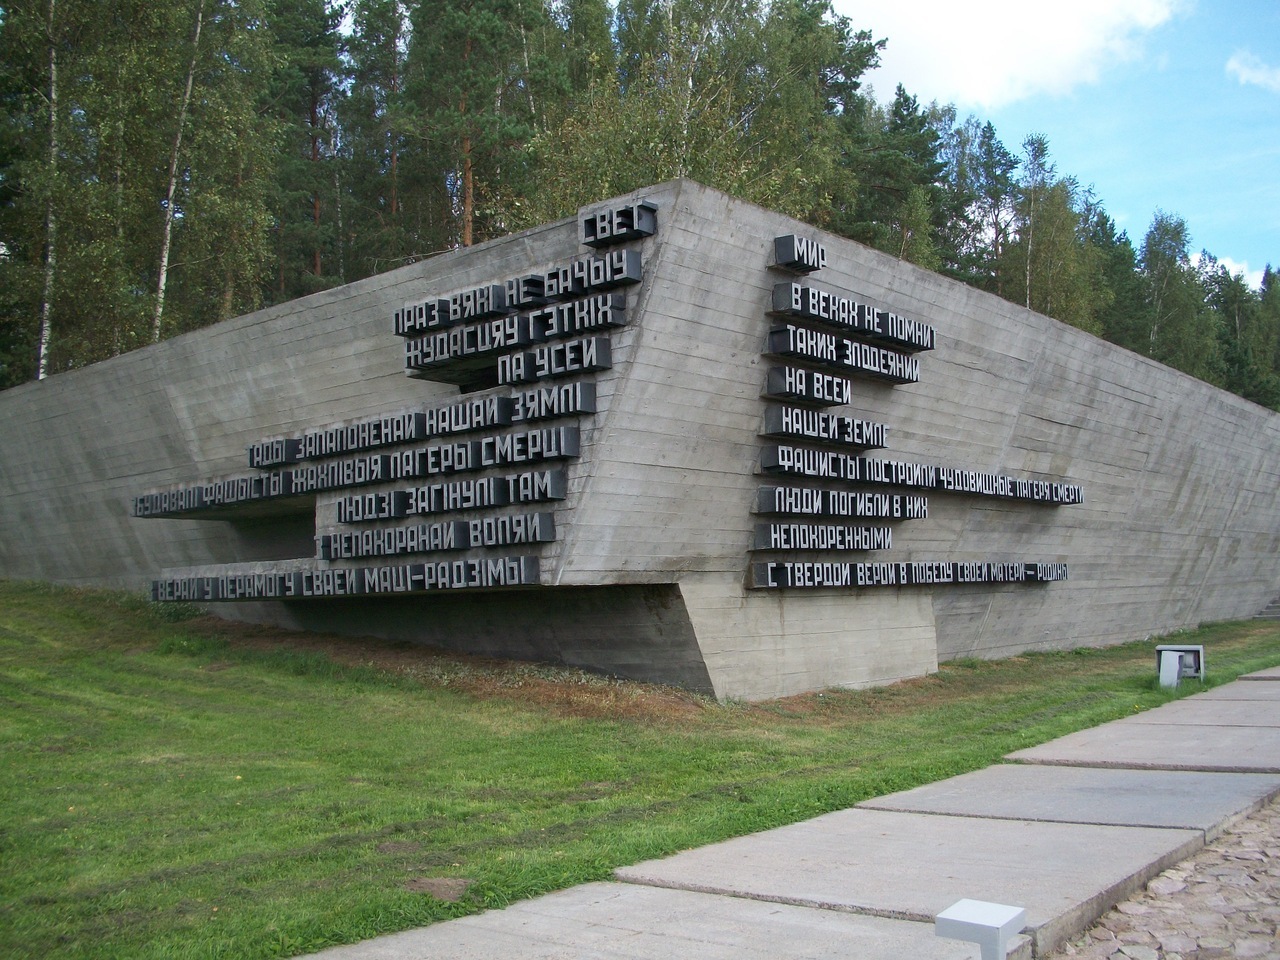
(1269, 692)
(913, 866)
(1130, 798)
(1270, 673)
(1149, 746)
(617, 921)
(1200, 711)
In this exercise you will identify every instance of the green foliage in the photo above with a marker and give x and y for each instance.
(328, 140)
(1181, 328)
(895, 156)
(738, 97)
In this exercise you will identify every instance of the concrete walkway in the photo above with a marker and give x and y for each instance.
(1068, 830)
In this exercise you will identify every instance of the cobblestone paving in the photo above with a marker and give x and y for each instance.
(1222, 902)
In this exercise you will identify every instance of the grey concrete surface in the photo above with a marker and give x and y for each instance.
(1169, 746)
(1271, 673)
(915, 865)
(662, 493)
(1243, 691)
(618, 921)
(1221, 711)
(1116, 797)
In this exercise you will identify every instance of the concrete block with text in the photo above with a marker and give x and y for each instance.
(651, 440)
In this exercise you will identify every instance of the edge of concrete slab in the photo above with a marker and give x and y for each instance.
(1137, 765)
(1048, 934)
(1269, 673)
(1240, 802)
(1052, 934)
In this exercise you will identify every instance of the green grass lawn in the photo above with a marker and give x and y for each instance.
(186, 788)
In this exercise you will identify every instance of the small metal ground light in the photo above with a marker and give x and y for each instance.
(1176, 661)
(990, 925)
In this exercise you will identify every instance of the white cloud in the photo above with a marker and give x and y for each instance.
(1252, 278)
(988, 53)
(1249, 69)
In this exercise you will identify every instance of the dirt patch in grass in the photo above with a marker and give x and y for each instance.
(563, 691)
(399, 846)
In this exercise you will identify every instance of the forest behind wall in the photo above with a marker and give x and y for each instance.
(167, 166)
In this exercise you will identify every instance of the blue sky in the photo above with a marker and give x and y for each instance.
(1169, 105)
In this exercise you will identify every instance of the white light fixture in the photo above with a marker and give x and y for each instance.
(990, 925)
(1175, 661)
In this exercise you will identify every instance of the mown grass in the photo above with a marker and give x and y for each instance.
(175, 786)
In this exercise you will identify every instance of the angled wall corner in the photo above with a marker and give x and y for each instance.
(702, 444)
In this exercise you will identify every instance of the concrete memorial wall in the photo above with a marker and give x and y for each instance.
(675, 438)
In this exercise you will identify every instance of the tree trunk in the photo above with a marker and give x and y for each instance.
(1031, 227)
(162, 278)
(337, 208)
(314, 120)
(468, 184)
(468, 192)
(50, 215)
(393, 98)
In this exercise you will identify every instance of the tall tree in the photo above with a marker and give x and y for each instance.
(1180, 327)
(896, 156)
(1123, 316)
(1247, 340)
(303, 100)
(588, 45)
(472, 80)
(372, 117)
(130, 189)
(982, 203)
(739, 97)
(1037, 180)
(171, 183)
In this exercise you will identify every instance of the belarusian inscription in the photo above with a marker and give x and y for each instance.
(587, 355)
(466, 416)
(473, 340)
(466, 574)
(454, 495)
(502, 530)
(550, 402)
(528, 446)
(364, 507)
(558, 320)
(326, 583)
(251, 586)
(274, 453)
(617, 268)
(182, 590)
(393, 541)
(353, 472)
(164, 502)
(533, 486)
(620, 224)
